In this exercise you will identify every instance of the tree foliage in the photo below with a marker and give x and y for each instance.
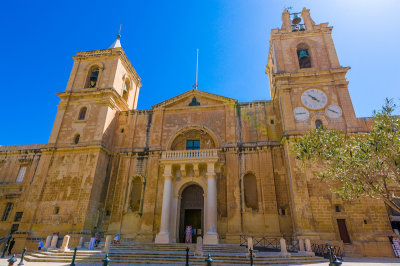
(358, 164)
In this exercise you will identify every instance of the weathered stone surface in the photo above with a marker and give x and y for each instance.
(71, 188)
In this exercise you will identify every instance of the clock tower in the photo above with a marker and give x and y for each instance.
(310, 90)
(306, 79)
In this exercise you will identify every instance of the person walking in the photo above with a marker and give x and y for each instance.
(10, 247)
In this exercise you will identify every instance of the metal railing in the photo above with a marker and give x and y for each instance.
(322, 250)
(271, 243)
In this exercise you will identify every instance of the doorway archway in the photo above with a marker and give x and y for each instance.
(191, 212)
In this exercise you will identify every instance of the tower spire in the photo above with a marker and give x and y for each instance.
(117, 43)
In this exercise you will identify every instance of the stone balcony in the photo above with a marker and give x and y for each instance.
(190, 156)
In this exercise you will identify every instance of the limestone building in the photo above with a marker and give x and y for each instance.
(196, 159)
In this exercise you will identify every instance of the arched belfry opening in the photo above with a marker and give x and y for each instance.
(191, 212)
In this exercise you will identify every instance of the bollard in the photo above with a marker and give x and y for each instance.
(333, 260)
(22, 258)
(284, 253)
(73, 258)
(12, 260)
(106, 261)
(187, 256)
(209, 260)
(336, 261)
(251, 257)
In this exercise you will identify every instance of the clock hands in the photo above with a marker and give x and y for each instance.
(333, 111)
(312, 97)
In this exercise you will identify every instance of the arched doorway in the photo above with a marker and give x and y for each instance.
(191, 212)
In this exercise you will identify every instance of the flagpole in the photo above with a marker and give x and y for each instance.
(197, 68)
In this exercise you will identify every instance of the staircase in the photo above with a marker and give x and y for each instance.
(141, 253)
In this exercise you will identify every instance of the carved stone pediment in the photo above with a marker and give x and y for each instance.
(193, 99)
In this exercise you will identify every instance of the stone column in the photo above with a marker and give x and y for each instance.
(64, 246)
(164, 236)
(54, 241)
(48, 242)
(211, 236)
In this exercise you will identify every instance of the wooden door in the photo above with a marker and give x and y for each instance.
(344, 234)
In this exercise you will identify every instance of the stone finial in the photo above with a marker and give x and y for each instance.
(284, 253)
(286, 21)
(308, 22)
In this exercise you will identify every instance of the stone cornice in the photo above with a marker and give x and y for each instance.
(116, 100)
(109, 52)
(334, 76)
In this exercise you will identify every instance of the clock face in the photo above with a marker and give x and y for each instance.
(300, 113)
(333, 111)
(314, 99)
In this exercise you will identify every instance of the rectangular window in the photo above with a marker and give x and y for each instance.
(14, 228)
(7, 211)
(18, 216)
(21, 174)
(193, 145)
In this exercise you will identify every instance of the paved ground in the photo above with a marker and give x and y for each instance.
(347, 262)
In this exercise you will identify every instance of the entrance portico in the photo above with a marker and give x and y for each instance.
(181, 169)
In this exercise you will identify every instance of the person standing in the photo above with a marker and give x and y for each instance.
(40, 245)
(10, 247)
(92, 238)
(98, 239)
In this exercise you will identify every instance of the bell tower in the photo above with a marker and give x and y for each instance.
(101, 83)
(306, 79)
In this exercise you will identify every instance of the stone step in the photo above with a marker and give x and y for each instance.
(193, 261)
(150, 253)
(91, 257)
(153, 255)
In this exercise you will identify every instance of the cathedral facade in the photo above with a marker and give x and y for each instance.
(221, 166)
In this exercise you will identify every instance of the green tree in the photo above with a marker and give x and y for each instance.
(357, 164)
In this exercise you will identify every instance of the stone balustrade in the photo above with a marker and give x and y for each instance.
(189, 154)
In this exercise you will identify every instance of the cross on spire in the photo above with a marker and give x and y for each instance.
(117, 43)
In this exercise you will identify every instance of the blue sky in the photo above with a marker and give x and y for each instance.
(160, 38)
